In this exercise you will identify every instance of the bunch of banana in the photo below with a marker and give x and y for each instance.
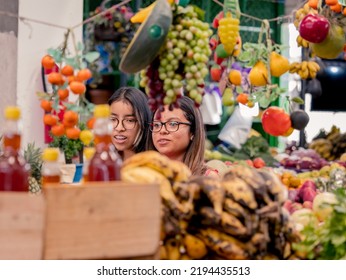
(305, 69)
(302, 42)
(301, 13)
(236, 217)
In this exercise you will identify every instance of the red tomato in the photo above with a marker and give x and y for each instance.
(275, 121)
(258, 162)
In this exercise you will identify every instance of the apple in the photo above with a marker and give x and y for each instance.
(215, 73)
(314, 28)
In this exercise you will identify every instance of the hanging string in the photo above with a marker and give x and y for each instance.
(24, 19)
(279, 18)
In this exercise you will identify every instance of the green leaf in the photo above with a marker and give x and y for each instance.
(91, 56)
(43, 95)
(297, 100)
(80, 46)
(239, 89)
(244, 56)
(264, 102)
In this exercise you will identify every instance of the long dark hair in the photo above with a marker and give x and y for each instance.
(139, 102)
(194, 155)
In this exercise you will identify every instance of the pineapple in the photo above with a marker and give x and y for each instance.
(33, 156)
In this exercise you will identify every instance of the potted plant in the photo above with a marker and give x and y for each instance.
(68, 114)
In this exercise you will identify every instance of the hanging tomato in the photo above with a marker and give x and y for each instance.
(276, 121)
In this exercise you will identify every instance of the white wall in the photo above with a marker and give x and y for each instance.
(33, 41)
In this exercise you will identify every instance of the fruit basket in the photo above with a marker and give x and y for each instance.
(112, 220)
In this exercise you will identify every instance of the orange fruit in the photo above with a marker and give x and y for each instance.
(67, 70)
(56, 78)
(235, 77)
(84, 74)
(77, 87)
(243, 98)
(63, 93)
(70, 118)
(50, 119)
(72, 132)
(46, 105)
(47, 62)
(58, 130)
(90, 123)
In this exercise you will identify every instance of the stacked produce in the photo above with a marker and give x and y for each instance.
(238, 217)
(321, 28)
(329, 145)
(182, 61)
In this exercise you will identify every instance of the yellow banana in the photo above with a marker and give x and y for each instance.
(304, 65)
(142, 15)
(181, 171)
(313, 66)
(151, 159)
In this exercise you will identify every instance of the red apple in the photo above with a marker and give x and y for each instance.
(314, 28)
(215, 73)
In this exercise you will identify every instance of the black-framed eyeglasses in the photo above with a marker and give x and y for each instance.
(170, 126)
(127, 123)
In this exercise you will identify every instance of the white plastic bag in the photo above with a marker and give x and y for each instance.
(236, 130)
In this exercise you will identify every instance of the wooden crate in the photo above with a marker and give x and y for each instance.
(21, 226)
(110, 220)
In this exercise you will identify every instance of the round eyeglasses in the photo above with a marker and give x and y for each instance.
(170, 126)
(126, 123)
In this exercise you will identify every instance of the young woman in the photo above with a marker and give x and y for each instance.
(179, 134)
(130, 116)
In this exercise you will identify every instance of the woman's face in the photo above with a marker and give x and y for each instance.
(169, 143)
(125, 126)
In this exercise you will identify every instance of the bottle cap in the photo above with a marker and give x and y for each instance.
(89, 152)
(102, 111)
(12, 112)
(50, 154)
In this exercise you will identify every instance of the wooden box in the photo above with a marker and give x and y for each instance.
(22, 219)
(110, 220)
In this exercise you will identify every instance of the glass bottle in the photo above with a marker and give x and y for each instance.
(14, 171)
(106, 163)
(88, 154)
(50, 167)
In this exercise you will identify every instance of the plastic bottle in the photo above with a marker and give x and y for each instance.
(14, 171)
(88, 154)
(50, 167)
(106, 163)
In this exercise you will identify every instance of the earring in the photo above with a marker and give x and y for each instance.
(191, 137)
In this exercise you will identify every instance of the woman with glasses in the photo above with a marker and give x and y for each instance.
(179, 134)
(130, 115)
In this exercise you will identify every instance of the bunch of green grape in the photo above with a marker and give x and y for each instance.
(228, 32)
(182, 59)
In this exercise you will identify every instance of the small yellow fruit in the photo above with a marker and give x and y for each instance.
(86, 136)
(235, 77)
(258, 75)
(278, 64)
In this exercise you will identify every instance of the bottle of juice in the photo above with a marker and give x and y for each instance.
(14, 171)
(106, 163)
(88, 154)
(50, 167)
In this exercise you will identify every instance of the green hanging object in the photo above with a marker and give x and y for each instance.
(184, 3)
(148, 39)
(231, 6)
(155, 31)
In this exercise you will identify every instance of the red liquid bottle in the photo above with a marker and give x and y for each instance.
(14, 171)
(106, 163)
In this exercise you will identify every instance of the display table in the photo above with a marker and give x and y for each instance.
(112, 220)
